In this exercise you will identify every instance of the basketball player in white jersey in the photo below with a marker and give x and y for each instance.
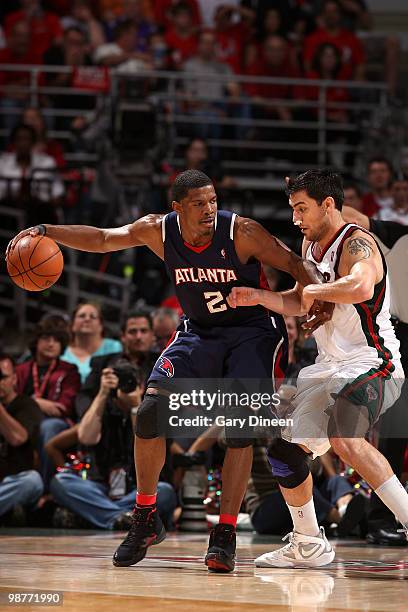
(357, 374)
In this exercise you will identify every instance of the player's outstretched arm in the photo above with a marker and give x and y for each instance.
(252, 240)
(144, 231)
(284, 302)
(359, 260)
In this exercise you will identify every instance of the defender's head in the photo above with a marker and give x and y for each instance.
(316, 197)
(195, 200)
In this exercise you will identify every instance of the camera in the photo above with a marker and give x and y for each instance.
(129, 376)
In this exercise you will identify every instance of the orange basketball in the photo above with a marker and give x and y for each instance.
(35, 263)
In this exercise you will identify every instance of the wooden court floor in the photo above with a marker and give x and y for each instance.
(173, 577)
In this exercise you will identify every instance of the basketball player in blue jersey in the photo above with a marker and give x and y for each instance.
(357, 374)
(207, 253)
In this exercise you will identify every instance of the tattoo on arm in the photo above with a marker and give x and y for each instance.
(360, 246)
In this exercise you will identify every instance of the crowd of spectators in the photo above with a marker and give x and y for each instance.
(67, 446)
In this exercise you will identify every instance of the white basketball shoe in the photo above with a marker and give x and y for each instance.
(302, 551)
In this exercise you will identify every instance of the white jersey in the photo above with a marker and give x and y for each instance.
(356, 332)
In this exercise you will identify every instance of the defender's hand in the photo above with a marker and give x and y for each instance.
(319, 314)
(243, 296)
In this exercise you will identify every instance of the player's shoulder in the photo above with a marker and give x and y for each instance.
(246, 227)
(151, 221)
(359, 243)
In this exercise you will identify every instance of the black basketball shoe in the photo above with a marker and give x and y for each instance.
(220, 555)
(146, 530)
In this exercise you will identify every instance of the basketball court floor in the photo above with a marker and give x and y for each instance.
(173, 576)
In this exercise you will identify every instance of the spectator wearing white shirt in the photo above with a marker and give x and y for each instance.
(120, 53)
(28, 179)
(398, 211)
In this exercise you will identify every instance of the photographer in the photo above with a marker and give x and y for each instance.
(114, 387)
(20, 419)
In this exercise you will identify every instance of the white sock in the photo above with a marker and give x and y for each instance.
(304, 518)
(395, 497)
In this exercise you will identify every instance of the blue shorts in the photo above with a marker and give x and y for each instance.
(224, 352)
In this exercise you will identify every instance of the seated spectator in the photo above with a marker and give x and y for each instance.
(275, 61)
(398, 211)
(121, 53)
(20, 419)
(72, 53)
(33, 117)
(181, 35)
(327, 66)
(28, 179)
(353, 196)
(82, 17)
(14, 86)
(135, 11)
(271, 25)
(233, 35)
(107, 496)
(53, 384)
(196, 157)
(165, 323)
(45, 27)
(206, 96)
(87, 339)
(331, 31)
(356, 15)
(380, 175)
(163, 11)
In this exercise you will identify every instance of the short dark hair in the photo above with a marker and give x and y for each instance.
(381, 160)
(23, 127)
(122, 28)
(353, 185)
(8, 357)
(140, 313)
(51, 326)
(319, 185)
(189, 179)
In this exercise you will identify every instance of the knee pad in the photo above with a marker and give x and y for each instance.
(289, 463)
(151, 417)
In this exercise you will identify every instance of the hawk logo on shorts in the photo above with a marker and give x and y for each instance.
(166, 366)
(372, 394)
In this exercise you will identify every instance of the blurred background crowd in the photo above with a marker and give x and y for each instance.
(102, 103)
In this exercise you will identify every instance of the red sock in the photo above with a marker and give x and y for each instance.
(145, 500)
(228, 519)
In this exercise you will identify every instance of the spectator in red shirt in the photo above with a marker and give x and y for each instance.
(380, 176)
(232, 36)
(12, 84)
(181, 36)
(275, 61)
(331, 31)
(163, 11)
(45, 27)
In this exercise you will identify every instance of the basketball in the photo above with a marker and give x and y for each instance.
(35, 263)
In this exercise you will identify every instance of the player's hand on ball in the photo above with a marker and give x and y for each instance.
(37, 230)
(243, 296)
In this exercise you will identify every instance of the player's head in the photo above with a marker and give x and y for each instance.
(316, 197)
(195, 200)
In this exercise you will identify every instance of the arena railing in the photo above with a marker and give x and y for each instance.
(318, 137)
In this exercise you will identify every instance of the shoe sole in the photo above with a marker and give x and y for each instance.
(324, 559)
(158, 539)
(216, 564)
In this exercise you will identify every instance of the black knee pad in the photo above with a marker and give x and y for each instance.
(289, 463)
(151, 417)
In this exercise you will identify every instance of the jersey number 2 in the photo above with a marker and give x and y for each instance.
(215, 301)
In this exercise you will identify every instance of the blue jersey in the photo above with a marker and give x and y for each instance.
(204, 276)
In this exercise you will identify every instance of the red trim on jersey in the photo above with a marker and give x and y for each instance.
(197, 249)
(374, 335)
(327, 246)
(263, 281)
(379, 298)
(170, 340)
(278, 373)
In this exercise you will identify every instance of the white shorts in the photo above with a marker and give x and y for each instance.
(317, 388)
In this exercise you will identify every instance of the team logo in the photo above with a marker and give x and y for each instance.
(372, 394)
(166, 366)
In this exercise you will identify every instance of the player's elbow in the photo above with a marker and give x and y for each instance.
(363, 291)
